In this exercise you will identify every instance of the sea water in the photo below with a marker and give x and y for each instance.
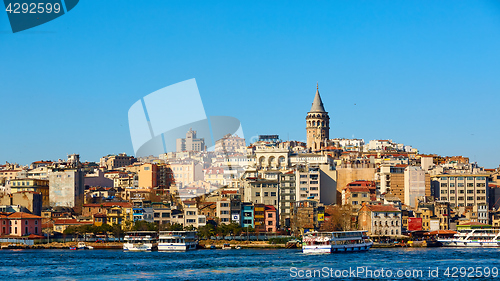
(252, 264)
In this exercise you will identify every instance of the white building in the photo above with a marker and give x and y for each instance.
(414, 185)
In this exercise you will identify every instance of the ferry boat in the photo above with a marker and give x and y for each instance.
(177, 241)
(473, 238)
(140, 241)
(332, 242)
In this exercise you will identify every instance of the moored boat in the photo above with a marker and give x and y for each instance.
(140, 241)
(473, 238)
(177, 241)
(340, 241)
(83, 246)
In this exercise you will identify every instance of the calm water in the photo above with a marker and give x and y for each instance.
(244, 264)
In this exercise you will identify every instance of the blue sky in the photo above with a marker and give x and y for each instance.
(424, 73)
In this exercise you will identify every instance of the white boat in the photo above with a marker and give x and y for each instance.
(332, 242)
(473, 238)
(82, 246)
(226, 247)
(140, 241)
(177, 240)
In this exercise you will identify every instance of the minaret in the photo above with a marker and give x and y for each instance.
(317, 124)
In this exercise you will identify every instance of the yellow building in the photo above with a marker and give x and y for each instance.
(122, 215)
(36, 185)
(425, 214)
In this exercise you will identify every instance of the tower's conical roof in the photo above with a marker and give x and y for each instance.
(317, 105)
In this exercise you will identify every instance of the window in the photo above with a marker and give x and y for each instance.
(269, 223)
(266, 193)
(460, 178)
(452, 185)
(257, 194)
(270, 215)
(355, 202)
(273, 193)
(470, 185)
(452, 178)
(470, 198)
(354, 195)
(460, 185)
(26, 222)
(444, 184)
(452, 191)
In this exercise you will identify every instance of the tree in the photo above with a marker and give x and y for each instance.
(173, 227)
(144, 226)
(337, 218)
(48, 231)
(206, 231)
(189, 228)
(117, 231)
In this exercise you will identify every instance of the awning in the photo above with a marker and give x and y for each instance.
(441, 232)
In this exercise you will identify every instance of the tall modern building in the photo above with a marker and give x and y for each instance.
(317, 124)
(190, 143)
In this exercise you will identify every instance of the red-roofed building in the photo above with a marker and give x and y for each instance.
(61, 224)
(380, 220)
(358, 192)
(20, 224)
(89, 210)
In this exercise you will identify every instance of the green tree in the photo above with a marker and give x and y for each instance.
(206, 231)
(144, 226)
(173, 227)
(189, 228)
(117, 231)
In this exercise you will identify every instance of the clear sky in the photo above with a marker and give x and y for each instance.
(423, 73)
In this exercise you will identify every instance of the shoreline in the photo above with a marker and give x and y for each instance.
(203, 245)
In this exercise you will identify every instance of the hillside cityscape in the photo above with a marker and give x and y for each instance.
(270, 186)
